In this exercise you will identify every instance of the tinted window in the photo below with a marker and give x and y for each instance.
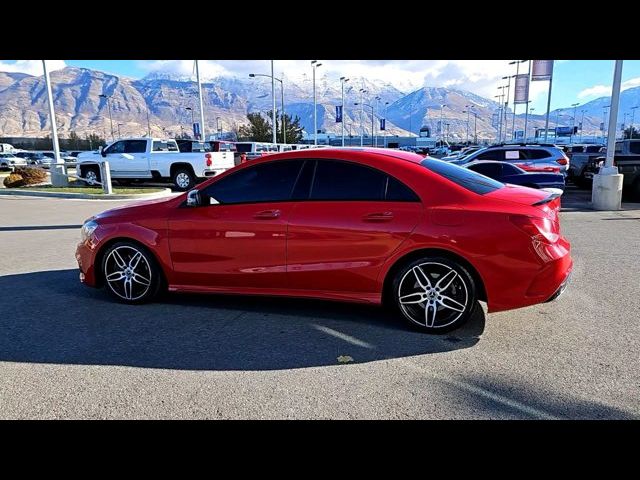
(160, 146)
(508, 169)
(537, 154)
(489, 169)
(267, 182)
(335, 180)
(243, 147)
(491, 155)
(462, 176)
(399, 192)
(135, 146)
(593, 149)
(117, 147)
(634, 147)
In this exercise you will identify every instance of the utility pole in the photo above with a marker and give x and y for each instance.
(148, 123)
(575, 106)
(314, 65)
(202, 128)
(467, 107)
(343, 80)
(581, 125)
(362, 92)
(58, 177)
(633, 114)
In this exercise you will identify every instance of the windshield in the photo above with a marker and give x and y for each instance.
(464, 177)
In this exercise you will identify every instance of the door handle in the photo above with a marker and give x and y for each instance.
(378, 217)
(267, 214)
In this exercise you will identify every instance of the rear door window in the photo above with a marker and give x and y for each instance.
(491, 154)
(339, 180)
(536, 154)
(135, 146)
(492, 170)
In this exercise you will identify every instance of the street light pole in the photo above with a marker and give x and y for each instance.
(441, 124)
(581, 125)
(525, 133)
(58, 178)
(108, 97)
(202, 129)
(343, 80)
(575, 106)
(467, 107)
(148, 123)
(633, 114)
(314, 65)
(475, 128)
(372, 122)
(385, 124)
(604, 120)
(526, 120)
(119, 135)
(362, 92)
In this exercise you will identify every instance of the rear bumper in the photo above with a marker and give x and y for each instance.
(539, 282)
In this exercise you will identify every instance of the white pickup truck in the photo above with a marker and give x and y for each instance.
(158, 159)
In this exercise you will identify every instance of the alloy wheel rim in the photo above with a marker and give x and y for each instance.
(182, 179)
(433, 295)
(127, 273)
(91, 176)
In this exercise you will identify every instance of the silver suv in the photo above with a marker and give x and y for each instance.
(537, 158)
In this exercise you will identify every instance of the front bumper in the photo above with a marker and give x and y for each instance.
(85, 256)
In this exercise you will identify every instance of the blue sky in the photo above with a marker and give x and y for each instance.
(574, 80)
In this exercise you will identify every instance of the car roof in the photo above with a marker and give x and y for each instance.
(326, 152)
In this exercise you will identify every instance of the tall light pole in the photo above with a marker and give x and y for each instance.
(513, 125)
(385, 124)
(633, 114)
(506, 106)
(581, 124)
(441, 124)
(575, 106)
(467, 112)
(281, 80)
(202, 129)
(219, 127)
(314, 65)
(372, 122)
(502, 113)
(531, 111)
(119, 135)
(362, 105)
(108, 97)
(148, 123)
(191, 110)
(362, 92)
(624, 123)
(343, 80)
(546, 122)
(475, 128)
(604, 120)
(58, 179)
(497, 127)
(526, 120)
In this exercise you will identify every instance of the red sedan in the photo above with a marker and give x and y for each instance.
(426, 237)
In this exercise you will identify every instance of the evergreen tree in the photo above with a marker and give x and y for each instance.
(258, 130)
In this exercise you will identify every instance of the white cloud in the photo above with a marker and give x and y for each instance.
(605, 90)
(31, 67)
(595, 91)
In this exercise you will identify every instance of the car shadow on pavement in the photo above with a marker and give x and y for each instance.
(49, 317)
(514, 398)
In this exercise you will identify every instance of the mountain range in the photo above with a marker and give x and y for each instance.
(160, 100)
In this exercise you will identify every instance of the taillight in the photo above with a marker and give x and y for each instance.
(540, 228)
(562, 161)
(208, 159)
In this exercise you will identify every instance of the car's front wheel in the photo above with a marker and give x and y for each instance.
(131, 273)
(434, 295)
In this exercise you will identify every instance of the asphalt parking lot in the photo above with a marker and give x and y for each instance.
(68, 351)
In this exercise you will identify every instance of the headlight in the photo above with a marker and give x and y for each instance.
(87, 229)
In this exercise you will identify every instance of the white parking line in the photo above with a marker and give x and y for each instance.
(343, 336)
(521, 407)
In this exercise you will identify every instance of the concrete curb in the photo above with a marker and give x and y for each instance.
(86, 196)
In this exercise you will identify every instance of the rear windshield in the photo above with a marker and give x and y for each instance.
(462, 176)
(243, 147)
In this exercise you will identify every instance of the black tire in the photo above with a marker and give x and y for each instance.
(88, 172)
(142, 275)
(183, 179)
(459, 291)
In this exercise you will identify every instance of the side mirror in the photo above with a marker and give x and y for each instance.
(102, 152)
(193, 198)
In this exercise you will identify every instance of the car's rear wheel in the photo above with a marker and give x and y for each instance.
(131, 273)
(434, 295)
(183, 179)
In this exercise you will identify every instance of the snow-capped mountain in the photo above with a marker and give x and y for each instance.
(162, 99)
